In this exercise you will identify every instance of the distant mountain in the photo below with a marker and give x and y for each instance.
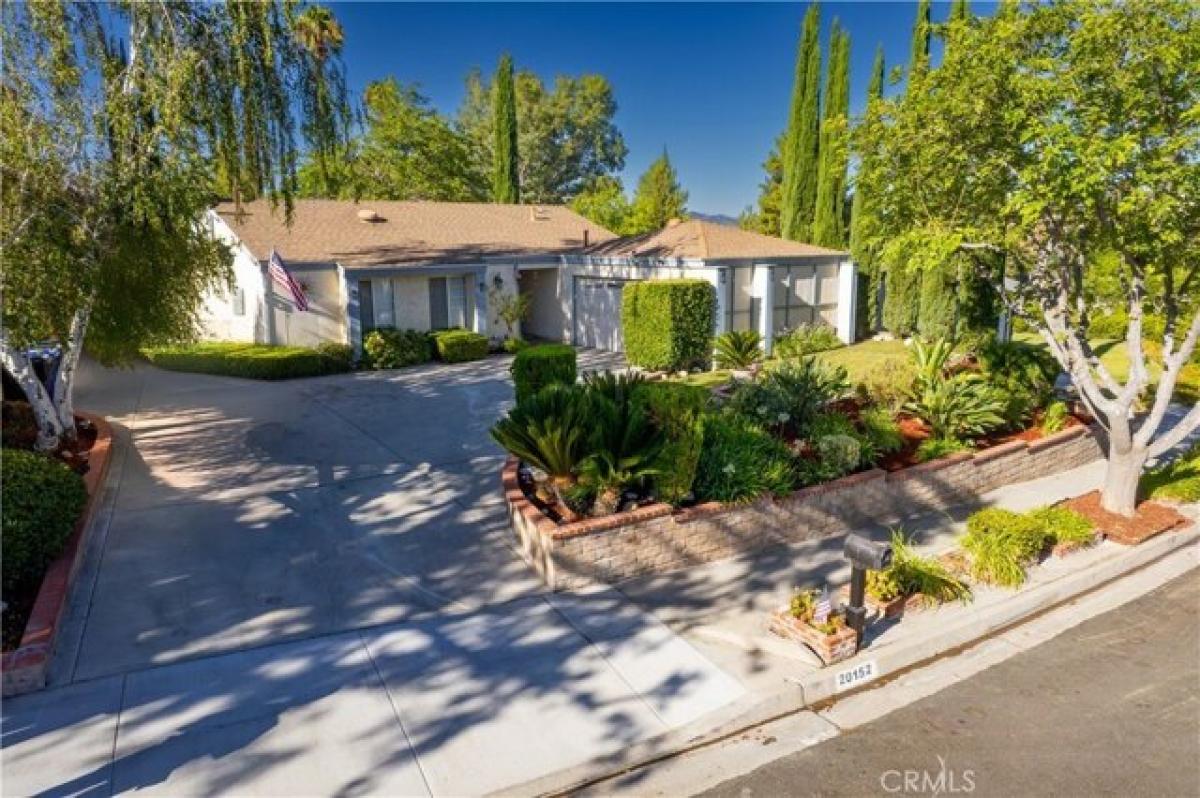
(719, 218)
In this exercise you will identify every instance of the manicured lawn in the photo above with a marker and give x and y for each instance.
(254, 361)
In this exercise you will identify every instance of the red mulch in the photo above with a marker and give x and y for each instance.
(914, 432)
(1150, 519)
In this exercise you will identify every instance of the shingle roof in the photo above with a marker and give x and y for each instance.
(699, 239)
(408, 233)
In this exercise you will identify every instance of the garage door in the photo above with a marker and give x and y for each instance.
(598, 313)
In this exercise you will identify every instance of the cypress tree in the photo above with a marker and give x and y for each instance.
(919, 60)
(505, 182)
(802, 138)
(960, 10)
(829, 223)
(860, 221)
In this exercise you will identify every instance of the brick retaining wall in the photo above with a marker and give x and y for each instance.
(657, 538)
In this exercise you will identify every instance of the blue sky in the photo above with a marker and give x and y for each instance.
(709, 81)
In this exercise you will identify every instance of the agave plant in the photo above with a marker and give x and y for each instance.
(930, 359)
(549, 431)
(962, 406)
(737, 349)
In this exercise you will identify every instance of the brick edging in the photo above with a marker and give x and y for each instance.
(25, 667)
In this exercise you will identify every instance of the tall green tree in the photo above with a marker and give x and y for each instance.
(764, 218)
(860, 213)
(325, 113)
(1102, 179)
(960, 10)
(566, 133)
(506, 180)
(605, 204)
(922, 34)
(659, 198)
(801, 141)
(406, 151)
(110, 156)
(829, 221)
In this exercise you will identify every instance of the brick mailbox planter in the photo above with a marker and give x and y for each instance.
(658, 538)
(830, 648)
(25, 667)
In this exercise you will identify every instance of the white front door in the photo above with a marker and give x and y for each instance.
(598, 313)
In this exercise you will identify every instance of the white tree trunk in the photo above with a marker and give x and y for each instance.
(64, 381)
(50, 428)
(1122, 474)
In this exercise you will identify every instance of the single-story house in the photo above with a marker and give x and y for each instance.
(431, 265)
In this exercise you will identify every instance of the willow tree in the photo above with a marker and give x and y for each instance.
(1063, 140)
(115, 124)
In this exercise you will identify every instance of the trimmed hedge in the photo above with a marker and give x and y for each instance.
(458, 346)
(676, 409)
(42, 501)
(536, 367)
(389, 348)
(253, 361)
(668, 324)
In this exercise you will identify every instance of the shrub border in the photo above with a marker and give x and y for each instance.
(25, 667)
(596, 550)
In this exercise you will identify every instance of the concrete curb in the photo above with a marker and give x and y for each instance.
(818, 688)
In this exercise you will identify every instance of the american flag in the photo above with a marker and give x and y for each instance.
(823, 607)
(284, 278)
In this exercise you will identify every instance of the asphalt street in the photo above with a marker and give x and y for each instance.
(1110, 707)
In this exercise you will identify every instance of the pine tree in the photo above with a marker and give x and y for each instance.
(505, 182)
(860, 216)
(659, 198)
(829, 223)
(802, 138)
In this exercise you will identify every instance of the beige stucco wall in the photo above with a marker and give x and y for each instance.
(324, 321)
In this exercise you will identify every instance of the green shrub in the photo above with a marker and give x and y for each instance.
(338, 357)
(789, 397)
(1178, 480)
(740, 461)
(737, 349)
(840, 453)
(961, 406)
(911, 574)
(388, 348)
(538, 366)
(888, 384)
(1021, 374)
(676, 409)
(933, 448)
(624, 443)
(929, 359)
(902, 299)
(668, 324)
(1055, 417)
(1062, 525)
(514, 345)
(806, 339)
(19, 425)
(1001, 544)
(253, 361)
(880, 428)
(42, 500)
(459, 346)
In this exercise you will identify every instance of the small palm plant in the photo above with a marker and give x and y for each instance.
(550, 431)
(624, 443)
(737, 349)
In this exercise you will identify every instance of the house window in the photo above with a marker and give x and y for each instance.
(239, 302)
(743, 305)
(447, 302)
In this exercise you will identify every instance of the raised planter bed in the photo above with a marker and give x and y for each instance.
(658, 538)
(25, 667)
(1150, 519)
(830, 648)
(894, 608)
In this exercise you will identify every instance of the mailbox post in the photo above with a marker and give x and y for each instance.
(864, 555)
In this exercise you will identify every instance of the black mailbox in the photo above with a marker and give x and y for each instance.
(867, 554)
(864, 555)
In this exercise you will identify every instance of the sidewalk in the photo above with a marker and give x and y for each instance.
(523, 697)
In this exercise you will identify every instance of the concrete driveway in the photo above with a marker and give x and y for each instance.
(310, 588)
(246, 512)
